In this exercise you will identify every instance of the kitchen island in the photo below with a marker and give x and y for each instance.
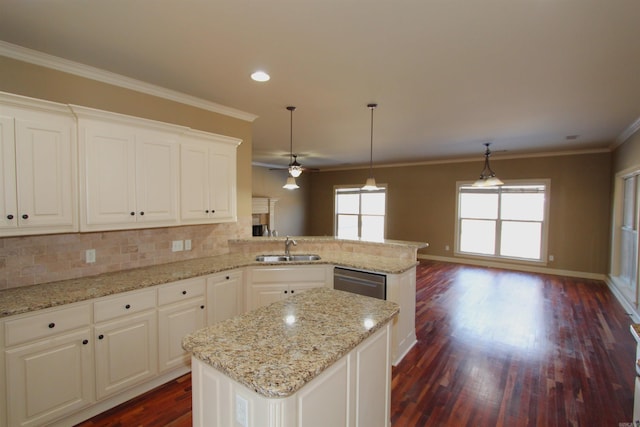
(316, 359)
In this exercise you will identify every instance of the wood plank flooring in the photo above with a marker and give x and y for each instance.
(495, 348)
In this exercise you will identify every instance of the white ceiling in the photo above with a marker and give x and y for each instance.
(448, 75)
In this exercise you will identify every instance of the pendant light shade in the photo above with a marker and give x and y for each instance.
(488, 177)
(370, 184)
(291, 183)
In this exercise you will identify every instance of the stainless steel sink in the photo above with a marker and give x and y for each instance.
(285, 258)
(304, 257)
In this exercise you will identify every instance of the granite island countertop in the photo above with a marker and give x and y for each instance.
(277, 349)
(25, 299)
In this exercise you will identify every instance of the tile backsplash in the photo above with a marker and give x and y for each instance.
(31, 260)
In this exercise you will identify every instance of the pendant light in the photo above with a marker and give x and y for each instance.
(294, 167)
(370, 184)
(488, 177)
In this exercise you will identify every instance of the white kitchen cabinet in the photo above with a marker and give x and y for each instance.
(129, 171)
(273, 283)
(49, 365)
(208, 178)
(225, 296)
(401, 289)
(126, 341)
(181, 311)
(38, 155)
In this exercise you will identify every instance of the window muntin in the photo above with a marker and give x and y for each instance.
(360, 214)
(503, 222)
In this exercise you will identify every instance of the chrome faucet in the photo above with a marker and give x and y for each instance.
(287, 245)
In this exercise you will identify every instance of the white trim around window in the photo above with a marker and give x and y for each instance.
(492, 221)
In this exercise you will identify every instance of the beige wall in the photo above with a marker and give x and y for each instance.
(291, 212)
(627, 155)
(38, 259)
(422, 203)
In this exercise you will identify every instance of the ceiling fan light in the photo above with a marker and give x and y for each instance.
(295, 170)
(291, 183)
(370, 185)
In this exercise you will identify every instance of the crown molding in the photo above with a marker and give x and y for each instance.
(49, 61)
(478, 158)
(627, 133)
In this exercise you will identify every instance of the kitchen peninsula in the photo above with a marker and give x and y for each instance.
(316, 359)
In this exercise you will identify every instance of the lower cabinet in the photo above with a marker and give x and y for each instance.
(181, 311)
(49, 378)
(225, 296)
(274, 283)
(126, 352)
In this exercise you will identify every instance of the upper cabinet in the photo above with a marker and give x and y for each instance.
(38, 155)
(66, 168)
(208, 178)
(138, 173)
(129, 171)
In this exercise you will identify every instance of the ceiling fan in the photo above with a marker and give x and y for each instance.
(295, 169)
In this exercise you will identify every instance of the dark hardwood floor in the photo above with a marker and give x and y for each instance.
(495, 348)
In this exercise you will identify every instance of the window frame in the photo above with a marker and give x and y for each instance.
(357, 189)
(544, 238)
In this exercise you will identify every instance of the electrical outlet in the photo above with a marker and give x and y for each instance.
(551, 258)
(446, 248)
(242, 411)
(90, 256)
(187, 245)
(177, 246)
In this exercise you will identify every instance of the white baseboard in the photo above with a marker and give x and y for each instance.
(516, 267)
(626, 305)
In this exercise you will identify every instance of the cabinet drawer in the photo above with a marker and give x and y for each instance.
(182, 290)
(123, 305)
(46, 323)
(289, 274)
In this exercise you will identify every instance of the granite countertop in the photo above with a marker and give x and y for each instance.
(276, 349)
(36, 297)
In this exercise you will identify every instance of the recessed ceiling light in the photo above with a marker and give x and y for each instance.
(260, 76)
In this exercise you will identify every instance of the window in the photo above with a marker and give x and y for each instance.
(625, 242)
(360, 214)
(503, 222)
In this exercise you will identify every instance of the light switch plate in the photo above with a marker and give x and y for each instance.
(90, 256)
(177, 246)
(187, 245)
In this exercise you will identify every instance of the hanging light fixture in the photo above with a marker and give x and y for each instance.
(488, 177)
(294, 167)
(370, 185)
(291, 183)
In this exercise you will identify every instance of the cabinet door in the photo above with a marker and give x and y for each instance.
(8, 197)
(46, 173)
(126, 352)
(176, 321)
(262, 295)
(49, 378)
(194, 183)
(156, 178)
(225, 296)
(107, 175)
(222, 176)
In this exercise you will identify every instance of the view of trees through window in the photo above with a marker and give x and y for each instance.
(360, 213)
(506, 221)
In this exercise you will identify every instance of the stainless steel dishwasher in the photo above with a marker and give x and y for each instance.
(360, 282)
